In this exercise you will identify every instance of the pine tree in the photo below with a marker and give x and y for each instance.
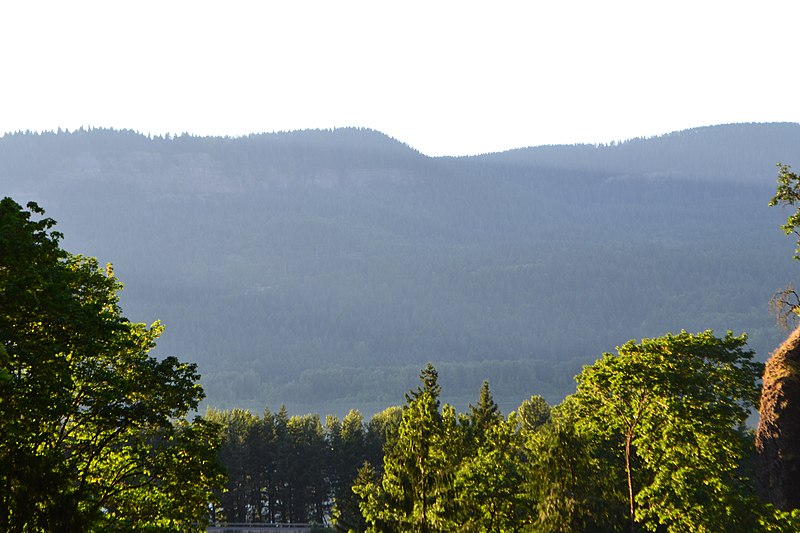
(412, 493)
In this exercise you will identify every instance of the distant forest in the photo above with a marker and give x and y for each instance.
(323, 269)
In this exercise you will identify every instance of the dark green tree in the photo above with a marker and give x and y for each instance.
(284, 456)
(307, 470)
(483, 416)
(382, 430)
(236, 456)
(572, 477)
(348, 453)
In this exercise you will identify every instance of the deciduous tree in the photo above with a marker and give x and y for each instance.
(674, 406)
(490, 484)
(93, 430)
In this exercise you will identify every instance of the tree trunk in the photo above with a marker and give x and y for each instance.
(628, 439)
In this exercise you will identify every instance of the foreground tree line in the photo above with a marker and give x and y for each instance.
(654, 438)
(288, 469)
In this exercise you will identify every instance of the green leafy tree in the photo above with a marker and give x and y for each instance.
(373, 504)
(490, 485)
(572, 477)
(533, 413)
(91, 426)
(674, 406)
(785, 303)
(365, 491)
(788, 194)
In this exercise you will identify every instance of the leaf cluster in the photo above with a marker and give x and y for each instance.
(93, 430)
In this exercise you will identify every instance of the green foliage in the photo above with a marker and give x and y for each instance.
(772, 520)
(93, 431)
(572, 478)
(412, 494)
(490, 484)
(485, 415)
(788, 194)
(656, 428)
(348, 447)
(283, 468)
(672, 406)
(448, 472)
(533, 413)
(785, 303)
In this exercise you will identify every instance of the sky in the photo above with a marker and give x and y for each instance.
(445, 77)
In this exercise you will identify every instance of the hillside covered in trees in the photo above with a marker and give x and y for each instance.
(322, 269)
(96, 437)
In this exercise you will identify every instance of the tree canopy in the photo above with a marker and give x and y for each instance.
(94, 432)
(673, 406)
(788, 194)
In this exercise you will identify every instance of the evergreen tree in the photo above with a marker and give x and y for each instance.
(417, 472)
(348, 450)
(240, 501)
(572, 479)
(382, 432)
(484, 416)
(282, 483)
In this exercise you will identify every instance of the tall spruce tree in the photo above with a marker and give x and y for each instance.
(485, 415)
(412, 494)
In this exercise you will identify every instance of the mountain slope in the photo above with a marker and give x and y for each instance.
(324, 268)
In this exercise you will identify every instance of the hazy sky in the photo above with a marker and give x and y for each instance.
(446, 77)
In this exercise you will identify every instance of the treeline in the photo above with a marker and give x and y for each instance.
(704, 151)
(290, 469)
(654, 438)
(299, 468)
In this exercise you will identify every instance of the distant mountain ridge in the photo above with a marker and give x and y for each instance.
(740, 152)
(322, 269)
(234, 160)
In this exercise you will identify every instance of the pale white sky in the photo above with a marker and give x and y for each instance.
(446, 77)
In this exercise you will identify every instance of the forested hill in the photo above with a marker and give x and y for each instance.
(733, 152)
(322, 269)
